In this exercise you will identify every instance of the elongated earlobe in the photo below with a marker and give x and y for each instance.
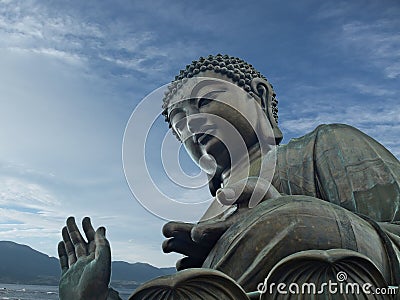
(265, 92)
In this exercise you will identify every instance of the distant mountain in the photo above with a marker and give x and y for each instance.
(24, 265)
(140, 272)
(132, 275)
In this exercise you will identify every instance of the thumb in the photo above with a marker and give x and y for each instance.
(103, 250)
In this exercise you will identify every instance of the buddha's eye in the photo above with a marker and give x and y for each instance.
(203, 102)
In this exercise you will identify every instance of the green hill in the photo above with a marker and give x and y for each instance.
(23, 265)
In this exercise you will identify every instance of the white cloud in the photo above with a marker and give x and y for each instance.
(393, 71)
(364, 31)
(378, 42)
(130, 63)
(14, 191)
(29, 214)
(371, 107)
(383, 125)
(35, 27)
(373, 90)
(16, 224)
(66, 56)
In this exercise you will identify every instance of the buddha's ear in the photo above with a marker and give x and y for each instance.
(265, 93)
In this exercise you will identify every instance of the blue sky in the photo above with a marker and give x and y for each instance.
(72, 72)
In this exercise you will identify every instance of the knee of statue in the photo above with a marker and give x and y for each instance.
(191, 284)
(342, 273)
(284, 226)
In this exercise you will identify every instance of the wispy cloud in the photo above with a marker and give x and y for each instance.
(378, 118)
(366, 31)
(373, 89)
(29, 212)
(379, 42)
(35, 27)
(27, 26)
(14, 191)
(329, 11)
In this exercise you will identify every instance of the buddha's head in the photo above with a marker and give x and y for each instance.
(221, 100)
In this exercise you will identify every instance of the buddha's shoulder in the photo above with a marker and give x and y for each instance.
(327, 133)
(336, 139)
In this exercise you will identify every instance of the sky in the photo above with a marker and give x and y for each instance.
(73, 72)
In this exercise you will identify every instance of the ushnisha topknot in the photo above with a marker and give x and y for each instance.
(239, 71)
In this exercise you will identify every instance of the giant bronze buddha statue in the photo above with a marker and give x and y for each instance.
(323, 205)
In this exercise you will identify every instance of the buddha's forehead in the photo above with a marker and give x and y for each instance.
(203, 87)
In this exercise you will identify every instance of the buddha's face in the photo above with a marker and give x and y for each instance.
(216, 118)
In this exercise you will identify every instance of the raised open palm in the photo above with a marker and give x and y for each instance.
(85, 265)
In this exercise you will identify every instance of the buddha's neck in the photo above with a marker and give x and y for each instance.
(247, 166)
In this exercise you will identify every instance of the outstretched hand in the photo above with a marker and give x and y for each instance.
(85, 265)
(179, 240)
(195, 241)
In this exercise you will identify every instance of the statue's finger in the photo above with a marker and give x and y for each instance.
(177, 229)
(185, 248)
(102, 254)
(62, 254)
(76, 238)
(90, 233)
(188, 262)
(69, 246)
(103, 250)
(208, 233)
